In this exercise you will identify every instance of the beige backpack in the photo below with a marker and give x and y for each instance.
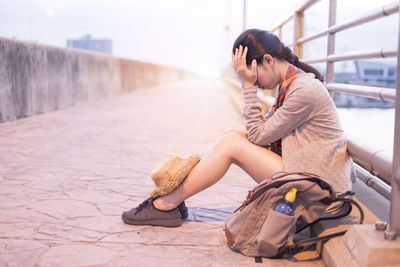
(256, 229)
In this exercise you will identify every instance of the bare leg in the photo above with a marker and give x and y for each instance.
(232, 147)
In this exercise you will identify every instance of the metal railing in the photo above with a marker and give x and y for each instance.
(376, 161)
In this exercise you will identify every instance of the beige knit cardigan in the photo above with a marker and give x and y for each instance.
(312, 137)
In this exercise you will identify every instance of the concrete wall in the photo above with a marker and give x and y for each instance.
(37, 78)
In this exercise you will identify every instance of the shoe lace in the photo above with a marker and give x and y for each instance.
(143, 204)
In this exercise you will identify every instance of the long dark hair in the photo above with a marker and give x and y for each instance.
(261, 42)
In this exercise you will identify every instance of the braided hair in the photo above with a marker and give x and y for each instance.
(261, 42)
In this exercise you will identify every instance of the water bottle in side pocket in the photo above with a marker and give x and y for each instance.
(286, 206)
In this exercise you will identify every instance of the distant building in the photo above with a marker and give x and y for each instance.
(368, 73)
(375, 73)
(86, 42)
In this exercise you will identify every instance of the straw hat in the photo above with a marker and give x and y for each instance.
(170, 172)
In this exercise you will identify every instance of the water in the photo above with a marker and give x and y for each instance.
(375, 126)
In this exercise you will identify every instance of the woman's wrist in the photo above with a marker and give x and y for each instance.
(244, 87)
(250, 94)
(247, 85)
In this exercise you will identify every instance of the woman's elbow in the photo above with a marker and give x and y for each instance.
(254, 137)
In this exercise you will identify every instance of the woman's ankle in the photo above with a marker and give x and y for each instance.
(161, 204)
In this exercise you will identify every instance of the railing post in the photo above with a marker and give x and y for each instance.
(298, 33)
(331, 41)
(394, 222)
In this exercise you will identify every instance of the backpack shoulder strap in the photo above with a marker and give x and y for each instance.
(344, 211)
(339, 211)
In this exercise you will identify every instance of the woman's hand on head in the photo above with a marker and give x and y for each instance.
(248, 75)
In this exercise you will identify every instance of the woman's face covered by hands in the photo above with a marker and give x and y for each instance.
(262, 75)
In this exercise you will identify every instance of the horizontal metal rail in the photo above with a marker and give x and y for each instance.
(313, 37)
(382, 93)
(383, 52)
(281, 23)
(377, 161)
(379, 13)
(373, 182)
(299, 9)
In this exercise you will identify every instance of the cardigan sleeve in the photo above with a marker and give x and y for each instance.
(295, 110)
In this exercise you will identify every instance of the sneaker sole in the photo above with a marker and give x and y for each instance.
(165, 223)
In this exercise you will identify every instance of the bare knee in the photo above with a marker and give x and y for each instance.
(233, 131)
(231, 137)
(229, 143)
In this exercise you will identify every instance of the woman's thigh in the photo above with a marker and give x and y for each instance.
(257, 161)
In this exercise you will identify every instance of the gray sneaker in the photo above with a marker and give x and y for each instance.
(147, 214)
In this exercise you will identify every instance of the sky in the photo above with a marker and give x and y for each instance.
(195, 35)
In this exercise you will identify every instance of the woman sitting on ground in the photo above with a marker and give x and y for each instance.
(300, 133)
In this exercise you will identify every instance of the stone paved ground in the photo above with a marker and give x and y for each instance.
(66, 177)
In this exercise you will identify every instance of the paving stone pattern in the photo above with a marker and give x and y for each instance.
(66, 177)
